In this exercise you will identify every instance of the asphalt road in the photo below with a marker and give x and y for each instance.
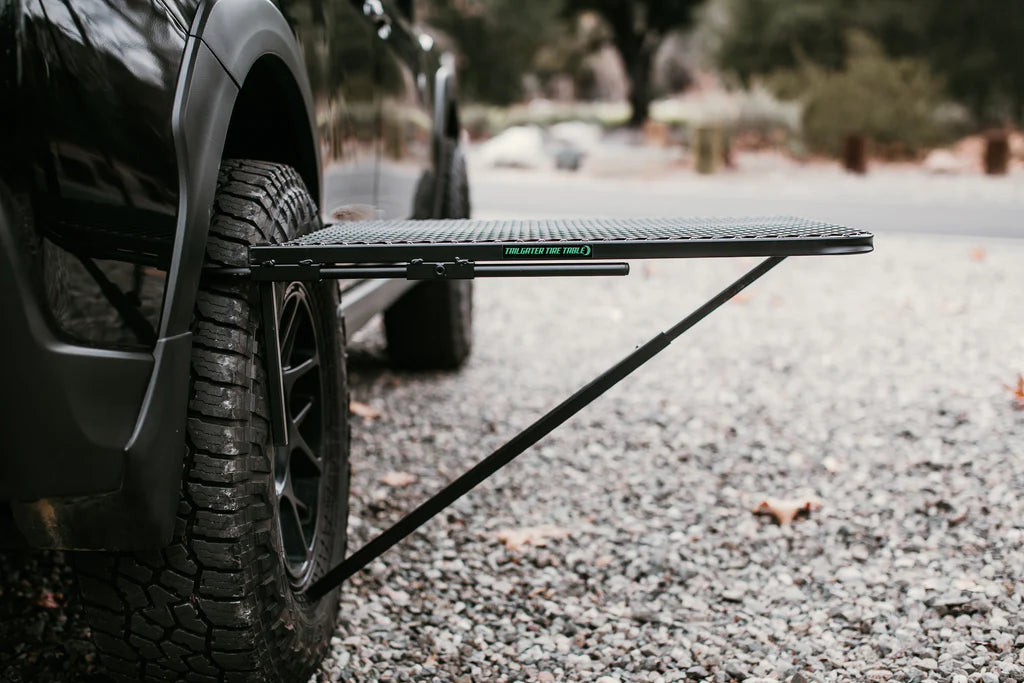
(900, 200)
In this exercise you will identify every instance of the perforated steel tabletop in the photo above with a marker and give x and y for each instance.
(564, 239)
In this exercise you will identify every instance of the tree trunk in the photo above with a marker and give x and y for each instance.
(639, 67)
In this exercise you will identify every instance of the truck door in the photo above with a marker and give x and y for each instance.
(339, 46)
(405, 91)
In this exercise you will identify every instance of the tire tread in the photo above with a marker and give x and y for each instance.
(203, 608)
(431, 326)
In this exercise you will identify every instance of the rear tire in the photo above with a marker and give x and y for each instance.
(431, 326)
(256, 524)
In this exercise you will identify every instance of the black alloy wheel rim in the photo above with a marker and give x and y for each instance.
(299, 466)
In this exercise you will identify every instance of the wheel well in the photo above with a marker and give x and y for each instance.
(269, 122)
(453, 126)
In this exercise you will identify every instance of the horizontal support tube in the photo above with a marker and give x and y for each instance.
(363, 272)
(312, 273)
(551, 270)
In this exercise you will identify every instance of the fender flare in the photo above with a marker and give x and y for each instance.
(446, 90)
(446, 122)
(217, 61)
(218, 56)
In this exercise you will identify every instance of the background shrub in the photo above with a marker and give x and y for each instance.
(891, 101)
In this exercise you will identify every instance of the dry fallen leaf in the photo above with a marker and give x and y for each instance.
(786, 510)
(978, 254)
(1018, 392)
(398, 479)
(50, 600)
(364, 411)
(535, 535)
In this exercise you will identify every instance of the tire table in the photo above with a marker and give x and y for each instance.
(466, 249)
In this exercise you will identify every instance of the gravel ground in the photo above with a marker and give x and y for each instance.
(874, 384)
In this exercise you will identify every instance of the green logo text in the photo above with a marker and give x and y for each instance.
(582, 251)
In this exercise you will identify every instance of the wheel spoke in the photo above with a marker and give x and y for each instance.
(292, 374)
(303, 413)
(295, 518)
(287, 493)
(300, 444)
(282, 465)
(289, 330)
(302, 511)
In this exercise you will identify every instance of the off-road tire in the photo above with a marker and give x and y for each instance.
(219, 603)
(431, 326)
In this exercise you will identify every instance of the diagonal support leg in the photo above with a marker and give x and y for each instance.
(272, 357)
(529, 436)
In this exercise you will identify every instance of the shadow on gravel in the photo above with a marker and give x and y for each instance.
(365, 360)
(43, 635)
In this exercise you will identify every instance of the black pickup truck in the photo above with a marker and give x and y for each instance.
(146, 144)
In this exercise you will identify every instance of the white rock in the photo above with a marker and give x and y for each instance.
(519, 146)
(848, 574)
(998, 621)
(583, 136)
(942, 161)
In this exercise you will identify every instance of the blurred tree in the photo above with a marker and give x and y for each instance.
(976, 47)
(637, 28)
(761, 36)
(890, 101)
(496, 41)
(578, 42)
(972, 45)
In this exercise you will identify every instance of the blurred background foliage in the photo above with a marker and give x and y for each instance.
(894, 102)
(974, 45)
(637, 29)
(907, 74)
(496, 41)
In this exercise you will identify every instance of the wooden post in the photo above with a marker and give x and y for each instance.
(855, 154)
(727, 158)
(708, 148)
(997, 152)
